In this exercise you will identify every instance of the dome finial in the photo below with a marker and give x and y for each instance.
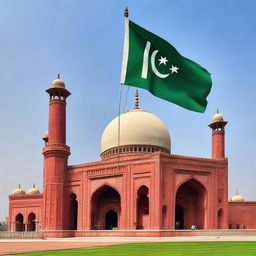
(136, 105)
(217, 111)
(19, 186)
(58, 77)
(126, 12)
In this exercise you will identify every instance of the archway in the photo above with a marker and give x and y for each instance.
(142, 208)
(72, 212)
(103, 201)
(164, 217)
(19, 220)
(31, 222)
(179, 217)
(111, 220)
(190, 205)
(220, 219)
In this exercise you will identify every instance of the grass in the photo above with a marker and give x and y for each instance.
(162, 249)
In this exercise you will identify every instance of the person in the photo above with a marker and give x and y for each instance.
(193, 227)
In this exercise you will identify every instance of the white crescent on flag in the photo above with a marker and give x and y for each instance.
(153, 57)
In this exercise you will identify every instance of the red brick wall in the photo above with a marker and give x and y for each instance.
(242, 215)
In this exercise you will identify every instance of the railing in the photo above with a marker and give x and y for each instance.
(125, 233)
(21, 235)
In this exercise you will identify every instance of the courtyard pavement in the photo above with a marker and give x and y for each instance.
(12, 246)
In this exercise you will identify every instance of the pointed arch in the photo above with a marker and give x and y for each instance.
(188, 179)
(179, 217)
(220, 218)
(31, 222)
(104, 200)
(164, 217)
(105, 184)
(19, 220)
(190, 206)
(142, 207)
(111, 219)
(72, 211)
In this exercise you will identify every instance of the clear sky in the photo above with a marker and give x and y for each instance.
(82, 40)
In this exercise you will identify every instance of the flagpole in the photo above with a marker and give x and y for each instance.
(126, 96)
(124, 64)
(118, 133)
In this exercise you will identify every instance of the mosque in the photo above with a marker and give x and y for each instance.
(137, 186)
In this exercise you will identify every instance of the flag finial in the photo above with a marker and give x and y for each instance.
(126, 12)
(136, 105)
(58, 76)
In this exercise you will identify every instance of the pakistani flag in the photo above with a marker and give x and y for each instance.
(151, 63)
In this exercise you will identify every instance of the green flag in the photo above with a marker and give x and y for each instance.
(151, 63)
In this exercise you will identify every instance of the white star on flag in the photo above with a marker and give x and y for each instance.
(174, 69)
(162, 60)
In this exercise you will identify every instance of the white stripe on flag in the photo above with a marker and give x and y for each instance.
(125, 52)
(144, 72)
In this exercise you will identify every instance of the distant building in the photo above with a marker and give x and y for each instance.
(138, 184)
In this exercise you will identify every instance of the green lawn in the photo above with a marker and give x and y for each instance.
(170, 249)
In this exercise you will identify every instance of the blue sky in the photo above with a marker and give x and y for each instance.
(82, 40)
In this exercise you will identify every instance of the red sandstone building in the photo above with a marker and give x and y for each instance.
(138, 185)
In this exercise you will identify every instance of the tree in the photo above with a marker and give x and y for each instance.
(3, 226)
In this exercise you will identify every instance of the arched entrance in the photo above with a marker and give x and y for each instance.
(111, 220)
(72, 212)
(142, 208)
(220, 219)
(19, 220)
(105, 208)
(190, 205)
(31, 222)
(164, 217)
(179, 217)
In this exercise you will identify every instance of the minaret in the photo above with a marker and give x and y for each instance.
(218, 136)
(56, 154)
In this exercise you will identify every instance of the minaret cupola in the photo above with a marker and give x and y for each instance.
(218, 136)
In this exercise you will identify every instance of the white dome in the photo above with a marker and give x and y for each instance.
(33, 191)
(217, 118)
(18, 191)
(46, 135)
(58, 83)
(237, 198)
(137, 127)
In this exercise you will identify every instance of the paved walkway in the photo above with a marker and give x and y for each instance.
(11, 246)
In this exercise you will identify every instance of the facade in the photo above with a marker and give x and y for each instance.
(138, 184)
